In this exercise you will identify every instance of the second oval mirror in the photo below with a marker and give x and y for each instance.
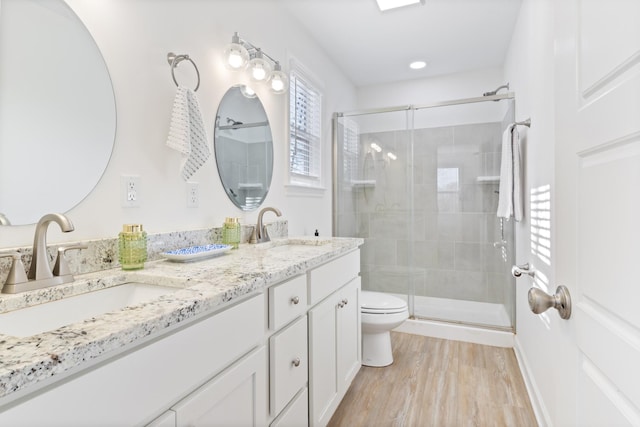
(243, 147)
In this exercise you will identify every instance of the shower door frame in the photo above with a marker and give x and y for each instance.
(412, 108)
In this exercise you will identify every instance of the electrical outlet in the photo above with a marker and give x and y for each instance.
(193, 195)
(130, 191)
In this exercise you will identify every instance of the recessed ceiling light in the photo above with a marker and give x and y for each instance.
(392, 4)
(416, 65)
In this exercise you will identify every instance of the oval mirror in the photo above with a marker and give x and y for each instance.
(57, 110)
(243, 147)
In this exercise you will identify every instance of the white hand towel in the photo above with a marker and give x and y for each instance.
(187, 133)
(510, 197)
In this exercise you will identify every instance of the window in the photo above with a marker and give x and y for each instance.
(305, 122)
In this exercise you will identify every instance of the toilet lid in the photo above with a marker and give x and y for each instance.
(372, 302)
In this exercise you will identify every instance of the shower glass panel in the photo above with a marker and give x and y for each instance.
(373, 194)
(420, 185)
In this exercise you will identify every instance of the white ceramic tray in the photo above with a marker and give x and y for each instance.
(193, 253)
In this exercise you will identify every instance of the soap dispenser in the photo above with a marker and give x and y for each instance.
(231, 232)
(132, 247)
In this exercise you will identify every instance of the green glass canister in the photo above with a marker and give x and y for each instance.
(231, 232)
(132, 247)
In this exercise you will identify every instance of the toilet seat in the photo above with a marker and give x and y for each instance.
(381, 303)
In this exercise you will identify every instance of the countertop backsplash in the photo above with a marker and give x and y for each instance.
(102, 254)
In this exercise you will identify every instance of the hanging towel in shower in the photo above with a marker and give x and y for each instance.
(510, 197)
(187, 133)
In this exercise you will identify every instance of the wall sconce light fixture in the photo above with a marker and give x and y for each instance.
(241, 54)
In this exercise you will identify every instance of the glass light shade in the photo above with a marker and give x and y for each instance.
(235, 54)
(259, 67)
(278, 80)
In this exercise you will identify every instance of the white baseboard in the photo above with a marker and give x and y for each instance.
(539, 409)
(457, 332)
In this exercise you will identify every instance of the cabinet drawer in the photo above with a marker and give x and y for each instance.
(287, 301)
(328, 278)
(297, 414)
(288, 364)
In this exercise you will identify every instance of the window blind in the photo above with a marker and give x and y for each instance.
(305, 122)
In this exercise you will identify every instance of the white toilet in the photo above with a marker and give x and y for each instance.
(380, 314)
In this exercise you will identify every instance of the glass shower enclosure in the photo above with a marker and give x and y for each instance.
(420, 185)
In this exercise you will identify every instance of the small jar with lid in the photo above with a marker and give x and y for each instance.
(231, 232)
(132, 247)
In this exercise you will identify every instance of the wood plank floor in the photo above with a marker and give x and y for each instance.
(436, 382)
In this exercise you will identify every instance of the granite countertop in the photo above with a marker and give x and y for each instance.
(205, 286)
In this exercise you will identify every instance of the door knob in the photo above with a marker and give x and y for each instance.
(540, 301)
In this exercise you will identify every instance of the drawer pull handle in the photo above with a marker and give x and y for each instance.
(340, 304)
(296, 362)
(345, 301)
(295, 300)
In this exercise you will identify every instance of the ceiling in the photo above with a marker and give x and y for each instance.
(373, 47)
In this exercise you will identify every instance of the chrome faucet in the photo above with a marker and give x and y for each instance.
(40, 268)
(4, 220)
(41, 275)
(260, 233)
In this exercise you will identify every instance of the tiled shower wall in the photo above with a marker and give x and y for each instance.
(440, 242)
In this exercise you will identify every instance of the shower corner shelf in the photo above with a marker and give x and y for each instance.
(488, 179)
(250, 186)
(363, 183)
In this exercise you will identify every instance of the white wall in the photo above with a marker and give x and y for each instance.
(529, 67)
(135, 37)
(434, 89)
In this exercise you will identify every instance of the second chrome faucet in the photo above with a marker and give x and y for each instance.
(260, 234)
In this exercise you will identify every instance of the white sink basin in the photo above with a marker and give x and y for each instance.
(52, 315)
(289, 244)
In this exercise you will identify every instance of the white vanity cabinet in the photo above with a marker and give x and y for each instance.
(334, 337)
(283, 357)
(135, 387)
(330, 332)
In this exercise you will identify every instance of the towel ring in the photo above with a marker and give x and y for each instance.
(174, 60)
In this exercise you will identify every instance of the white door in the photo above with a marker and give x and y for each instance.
(597, 204)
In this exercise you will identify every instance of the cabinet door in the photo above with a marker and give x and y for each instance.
(348, 335)
(323, 381)
(236, 397)
(168, 419)
(296, 414)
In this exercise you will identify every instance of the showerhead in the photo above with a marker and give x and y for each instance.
(494, 92)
